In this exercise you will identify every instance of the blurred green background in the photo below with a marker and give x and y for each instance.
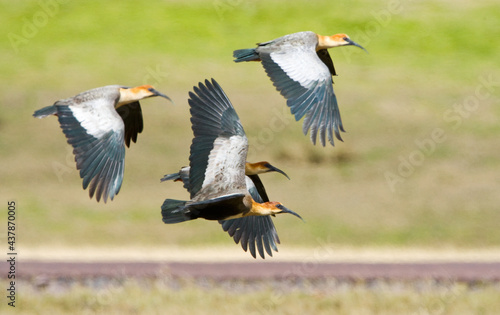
(419, 165)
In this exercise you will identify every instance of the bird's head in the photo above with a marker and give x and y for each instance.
(275, 207)
(262, 167)
(129, 95)
(337, 40)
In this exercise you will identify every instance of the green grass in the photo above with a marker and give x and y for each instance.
(170, 296)
(427, 58)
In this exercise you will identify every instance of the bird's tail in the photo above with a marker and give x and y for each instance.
(46, 111)
(182, 176)
(174, 177)
(248, 54)
(174, 211)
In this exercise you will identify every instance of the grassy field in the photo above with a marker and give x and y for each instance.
(420, 162)
(168, 296)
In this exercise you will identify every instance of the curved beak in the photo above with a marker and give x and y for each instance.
(275, 169)
(286, 210)
(350, 42)
(156, 93)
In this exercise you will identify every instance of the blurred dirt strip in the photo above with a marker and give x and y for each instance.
(456, 271)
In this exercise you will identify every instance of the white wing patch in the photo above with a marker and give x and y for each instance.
(98, 118)
(225, 173)
(301, 65)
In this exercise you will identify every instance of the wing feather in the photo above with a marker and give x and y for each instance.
(253, 232)
(219, 148)
(132, 118)
(299, 74)
(99, 152)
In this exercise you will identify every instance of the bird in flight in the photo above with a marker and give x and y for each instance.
(301, 69)
(98, 123)
(252, 231)
(216, 180)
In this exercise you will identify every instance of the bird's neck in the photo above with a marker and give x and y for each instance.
(325, 42)
(262, 209)
(254, 168)
(128, 96)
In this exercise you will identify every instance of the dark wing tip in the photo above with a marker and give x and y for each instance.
(256, 234)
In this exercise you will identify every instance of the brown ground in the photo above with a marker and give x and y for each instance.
(454, 271)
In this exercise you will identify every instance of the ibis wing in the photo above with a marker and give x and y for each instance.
(324, 55)
(219, 147)
(253, 231)
(132, 118)
(306, 82)
(96, 134)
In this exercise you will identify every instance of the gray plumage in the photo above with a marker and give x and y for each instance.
(99, 132)
(304, 77)
(215, 178)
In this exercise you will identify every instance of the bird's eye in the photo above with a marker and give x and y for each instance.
(346, 39)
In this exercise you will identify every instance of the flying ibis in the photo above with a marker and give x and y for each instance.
(252, 170)
(216, 180)
(98, 123)
(252, 231)
(301, 69)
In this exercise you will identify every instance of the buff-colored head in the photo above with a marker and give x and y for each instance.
(337, 40)
(270, 208)
(262, 167)
(129, 95)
